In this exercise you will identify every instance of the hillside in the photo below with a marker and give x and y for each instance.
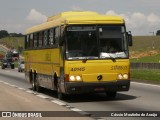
(13, 42)
(145, 43)
(145, 49)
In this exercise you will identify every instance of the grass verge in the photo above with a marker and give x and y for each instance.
(150, 76)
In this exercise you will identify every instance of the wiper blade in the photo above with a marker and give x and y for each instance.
(108, 55)
(112, 58)
(84, 60)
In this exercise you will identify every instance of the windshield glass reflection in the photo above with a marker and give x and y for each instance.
(96, 42)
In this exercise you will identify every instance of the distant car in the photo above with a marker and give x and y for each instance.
(21, 66)
(7, 63)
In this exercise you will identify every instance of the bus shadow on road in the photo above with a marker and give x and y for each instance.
(88, 97)
(98, 97)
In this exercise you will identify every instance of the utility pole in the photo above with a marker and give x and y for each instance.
(153, 42)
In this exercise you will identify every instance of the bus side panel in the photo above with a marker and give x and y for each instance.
(45, 63)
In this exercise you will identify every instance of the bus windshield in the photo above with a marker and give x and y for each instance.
(96, 42)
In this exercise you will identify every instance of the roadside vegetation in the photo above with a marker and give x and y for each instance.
(145, 49)
(12, 42)
(151, 58)
(151, 76)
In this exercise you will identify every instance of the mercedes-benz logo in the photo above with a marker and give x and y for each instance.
(99, 77)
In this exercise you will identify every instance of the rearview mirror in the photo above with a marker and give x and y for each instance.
(129, 37)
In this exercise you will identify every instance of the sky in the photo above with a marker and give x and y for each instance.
(142, 17)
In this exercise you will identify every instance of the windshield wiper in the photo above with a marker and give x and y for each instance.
(112, 58)
(84, 60)
(87, 58)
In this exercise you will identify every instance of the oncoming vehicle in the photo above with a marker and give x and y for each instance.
(7, 63)
(12, 54)
(66, 54)
(21, 66)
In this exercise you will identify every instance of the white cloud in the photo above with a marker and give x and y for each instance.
(153, 19)
(139, 23)
(36, 16)
(77, 8)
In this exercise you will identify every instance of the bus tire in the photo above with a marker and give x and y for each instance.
(33, 83)
(111, 95)
(37, 87)
(60, 95)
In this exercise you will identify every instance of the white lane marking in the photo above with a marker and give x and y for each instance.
(146, 84)
(6, 83)
(12, 85)
(42, 96)
(21, 88)
(29, 91)
(81, 111)
(76, 109)
(58, 102)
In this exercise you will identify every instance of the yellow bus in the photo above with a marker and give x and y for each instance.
(79, 52)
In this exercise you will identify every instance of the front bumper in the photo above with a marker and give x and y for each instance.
(80, 87)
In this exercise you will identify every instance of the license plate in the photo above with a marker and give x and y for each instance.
(99, 89)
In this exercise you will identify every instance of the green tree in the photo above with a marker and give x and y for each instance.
(158, 32)
(4, 33)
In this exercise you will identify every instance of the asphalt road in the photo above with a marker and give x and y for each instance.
(140, 98)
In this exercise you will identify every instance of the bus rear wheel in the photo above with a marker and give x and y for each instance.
(32, 79)
(37, 87)
(33, 85)
(60, 95)
(36, 83)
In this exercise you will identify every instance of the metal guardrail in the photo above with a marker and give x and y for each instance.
(145, 65)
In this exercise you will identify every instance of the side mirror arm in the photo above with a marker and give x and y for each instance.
(129, 37)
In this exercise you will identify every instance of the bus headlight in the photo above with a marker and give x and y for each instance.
(120, 76)
(72, 78)
(75, 78)
(125, 76)
(78, 78)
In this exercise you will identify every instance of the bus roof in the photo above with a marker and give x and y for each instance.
(84, 17)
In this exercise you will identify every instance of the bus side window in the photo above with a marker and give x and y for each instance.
(35, 40)
(40, 39)
(51, 37)
(56, 37)
(26, 41)
(45, 38)
(31, 41)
